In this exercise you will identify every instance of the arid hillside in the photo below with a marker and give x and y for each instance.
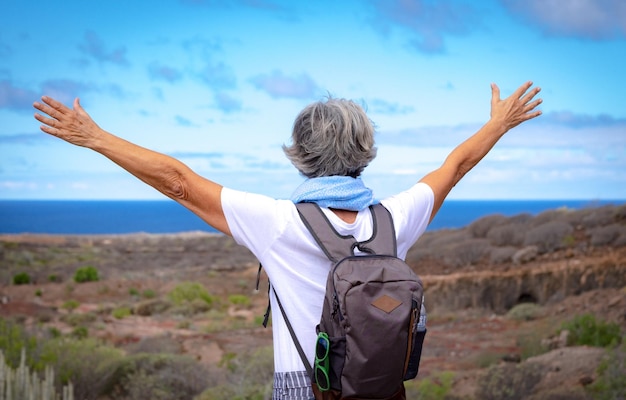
(498, 293)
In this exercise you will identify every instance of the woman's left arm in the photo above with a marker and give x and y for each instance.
(164, 173)
(505, 115)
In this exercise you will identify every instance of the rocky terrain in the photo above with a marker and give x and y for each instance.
(563, 262)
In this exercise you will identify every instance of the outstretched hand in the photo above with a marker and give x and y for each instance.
(516, 108)
(72, 125)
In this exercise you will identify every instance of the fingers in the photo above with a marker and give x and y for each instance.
(495, 94)
(48, 124)
(533, 105)
(56, 105)
(79, 108)
(522, 89)
(77, 105)
(53, 111)
(530, 95)
(46, 109)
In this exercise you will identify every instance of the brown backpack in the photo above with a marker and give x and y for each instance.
(370, 335)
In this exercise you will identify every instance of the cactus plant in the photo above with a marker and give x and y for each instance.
(22, 384)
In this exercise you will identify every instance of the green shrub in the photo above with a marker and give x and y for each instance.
(88, 364)
(437, 387)
(80, 332)
(586, 330)
(148, 294)
(611, 382)
(187, 292)
(76, 319)
(239, 300)
(21, 279)
(70, 305)
(54, 332)
(121, 312)
(20, 383)
(86, 274)
(133, 292)
(13, 340)
(54, 278)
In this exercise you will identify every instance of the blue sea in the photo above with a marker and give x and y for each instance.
(162, 216)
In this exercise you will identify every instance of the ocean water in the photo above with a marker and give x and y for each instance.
(162, 216)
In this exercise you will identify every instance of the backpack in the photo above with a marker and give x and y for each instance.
(372, 328)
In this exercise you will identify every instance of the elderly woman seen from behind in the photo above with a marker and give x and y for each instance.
(332, 142)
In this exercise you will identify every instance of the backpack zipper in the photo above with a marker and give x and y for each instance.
(412, 329)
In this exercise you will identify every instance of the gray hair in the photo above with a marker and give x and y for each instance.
(332, 137)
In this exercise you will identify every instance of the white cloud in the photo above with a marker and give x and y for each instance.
(427, 22)
(587, 19)
(279, 85)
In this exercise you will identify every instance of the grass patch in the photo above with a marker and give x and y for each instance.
(437, 387)
(121, 312)
(586, 330)
(239, 300)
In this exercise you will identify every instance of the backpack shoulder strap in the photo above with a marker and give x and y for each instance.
(383, 240)
(337, 246)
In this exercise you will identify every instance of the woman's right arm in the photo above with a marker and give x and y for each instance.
(164, 173)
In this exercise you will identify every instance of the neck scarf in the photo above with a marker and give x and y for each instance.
(340, 192)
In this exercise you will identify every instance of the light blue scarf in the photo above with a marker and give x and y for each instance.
(341, 192)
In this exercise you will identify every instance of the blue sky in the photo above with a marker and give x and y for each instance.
(217, 84)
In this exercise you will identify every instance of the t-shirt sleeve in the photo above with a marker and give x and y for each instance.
(411, 212)
(254, 220)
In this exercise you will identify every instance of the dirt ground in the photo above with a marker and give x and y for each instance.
(463, 341)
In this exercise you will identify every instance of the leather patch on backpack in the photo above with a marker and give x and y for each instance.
(386, 303)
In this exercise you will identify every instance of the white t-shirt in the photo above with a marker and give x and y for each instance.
(297, 267)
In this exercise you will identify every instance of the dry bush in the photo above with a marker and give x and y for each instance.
(480, 227)
(76, 319)
(434, 245)
(465, 253)
(197, 306)
(620, 213)
(523, 218)
(248, 376)
(549, 236)
(594, 217)
(447, 238)
(608, 235)
(151, 307)
(156, 345)
(562, 393)
(417, 254)
(501, 255)
(161, 377)
(525, 312)
(559, 214)
(620, 241)
(509, 234)
(509, 382)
